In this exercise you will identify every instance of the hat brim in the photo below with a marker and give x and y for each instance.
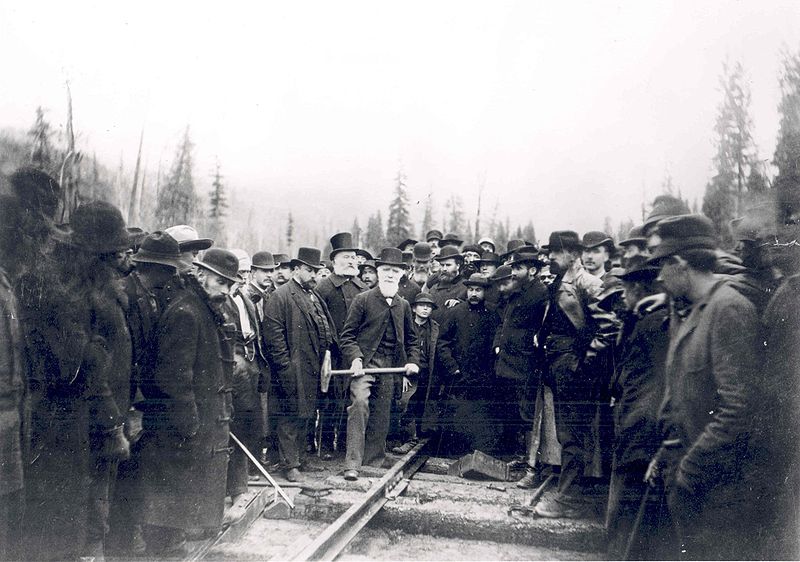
(646, 273)
(169, 262)
(668, 247)
(482, 285)
(296, 261)
(632, 241)
(120, 244)
(196, 245)
(340, 250)
(264, 267)
(450, 242)
(451, 257)
(379, 263)
(236, 279)
(608, 243)
(431, 303)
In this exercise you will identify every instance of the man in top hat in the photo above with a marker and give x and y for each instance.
(187, 410)
(466, 362)
(634, 245)
(298, 331)
(422, 254)
(283, 270)
(338, 291)
(449, 289)
(707, 412)
(190, 244)
(259, 285)
(597, 250)
(518, 362)
(378, 333)
(577, 333)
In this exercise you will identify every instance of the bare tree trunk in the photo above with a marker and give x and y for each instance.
(133, 207)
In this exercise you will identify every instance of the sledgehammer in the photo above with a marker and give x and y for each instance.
(325, 372)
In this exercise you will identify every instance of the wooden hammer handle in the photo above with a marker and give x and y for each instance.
(379, 371)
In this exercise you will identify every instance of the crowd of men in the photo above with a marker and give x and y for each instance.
(657, 376)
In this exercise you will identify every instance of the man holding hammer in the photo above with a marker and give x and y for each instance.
(378, 334)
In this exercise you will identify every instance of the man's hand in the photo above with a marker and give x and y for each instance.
(411, 369)
(357, 367)
(406, 384)
(450, 303)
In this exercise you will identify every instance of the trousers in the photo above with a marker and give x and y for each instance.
(368, 415)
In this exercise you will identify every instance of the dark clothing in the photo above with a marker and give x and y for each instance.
(521, 322)
(409, 289)
(338, 293)
(711, 381)
(417, 406)
(185, 449)
(443, 291)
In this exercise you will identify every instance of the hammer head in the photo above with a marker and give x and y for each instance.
(325, 372)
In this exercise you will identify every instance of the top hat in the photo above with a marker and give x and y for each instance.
(684, 232)
(503, 272)
(424, 298)
(222, 262)
(477, 280)
(595, 239)
(309, 257)
(450, 239)
(525, 257)
(564, 240)
(490, 257)
(188, 238)
(281, 260)
(422, 251)
(159, 248)
(98, 227)
(486, 240)
(263, 260)
(406, 242)
(342, 242)
(635, 236)
(390, 256)
(449, 252)
(433, 235)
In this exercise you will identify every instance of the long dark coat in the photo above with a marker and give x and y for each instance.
(522, 320)
(443, 291)
(185, 451)
(12, 390)
(294, 349)
(338, 293)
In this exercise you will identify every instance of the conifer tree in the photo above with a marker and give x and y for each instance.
(177, 199)
(398, 226)
(787, 150)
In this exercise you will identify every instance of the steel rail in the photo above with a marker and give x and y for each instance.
(333, 540)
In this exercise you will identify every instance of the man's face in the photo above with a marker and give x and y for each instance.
(389, 279)
(321, 274)
(345, 264)
(594, 259)
(434, 242)
(449, 269)
(215, 285)
(653, 240)
(261, 278)
(436, 267)
(488, 269)
(487, 246)
(561, 261)
(674, 277)
(475, 295)
(369, 275)
(423, 310)
(422, 266)
(631, 250)
(470, 256)
(361, 259)
(281, 275)
(519, 271)
(545, 276)
(305, 276)
(507, 286)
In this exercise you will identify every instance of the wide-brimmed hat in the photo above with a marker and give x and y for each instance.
(451, 239)
(529, 258)
(639, 270)
(433, 235)
(406, 242)
(341, 242)
(487, 240)
(490, 257)
(281, 260)
(564, 240)
(595, 239)
(424, 298)
(188, 238)
(159, 248)
(449, 252)
(422, 251)
(263, 260)
(98, 228)
(222, 262)
(477, 280)
(684, 232)
(635, 236)
(390, 256)
(501, 274)
(308, 256)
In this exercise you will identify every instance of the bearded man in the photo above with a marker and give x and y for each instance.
(379, 332)
(449, 289)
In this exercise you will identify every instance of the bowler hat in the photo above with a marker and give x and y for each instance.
(490, 257)
(424, 298)
(635, 236)
(503, 272)
(684, 232)
(525, 258)
(639, 270)
(307, 256)
(511, 247)
(422, 251)
(472, 248)
(98, 227)
(188, 238)
(664, 206)
(368, 263)
(159, 248)
(449, 252)
(364, 254)
(564, 240)
(486, 240)
(222, 262)
(281, 260)
(263, 260)
(477, 280)
(390, 256)
(406, 242)
(37, 190)
(450, 239)
(342, 242)
(433, 235)
(595, 239)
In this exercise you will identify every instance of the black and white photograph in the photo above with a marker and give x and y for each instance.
(360, 280)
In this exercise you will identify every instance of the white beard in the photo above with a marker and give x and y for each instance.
(388, 289)
(345, 271)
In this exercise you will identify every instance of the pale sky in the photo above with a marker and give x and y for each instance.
(571, 111)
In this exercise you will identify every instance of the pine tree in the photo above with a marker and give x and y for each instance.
(355, 231)
(42, 150)
(177, 199)
(725, 193)
(787, 151)
(427, 217)
(217, 203)
(398, 226)
(375, 238)
(455, 223)
(289, 231)
(529, 233)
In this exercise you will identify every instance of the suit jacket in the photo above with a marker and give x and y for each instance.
(522, 319)
(338, 293)
(366, 323)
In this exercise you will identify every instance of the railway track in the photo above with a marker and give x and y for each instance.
(412, 511)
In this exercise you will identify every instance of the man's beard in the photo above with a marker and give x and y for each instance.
(445, 275)
(388, 288)
(474, 301)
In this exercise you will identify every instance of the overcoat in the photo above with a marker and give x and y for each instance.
(12, 390)
(338, 292)
(443, 291)
(187, 413)
(522, 319)
(294, 349)
(465, 345)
